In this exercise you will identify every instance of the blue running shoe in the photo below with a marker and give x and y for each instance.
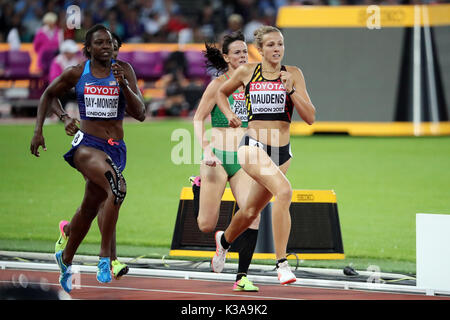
(104, 270)
(65, 279)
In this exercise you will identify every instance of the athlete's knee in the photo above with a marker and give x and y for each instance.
(204, 224)
(284, 194)
(117, 183)
(250, 213)
(255, 222)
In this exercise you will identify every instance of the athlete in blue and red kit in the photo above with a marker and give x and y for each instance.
(105, 88)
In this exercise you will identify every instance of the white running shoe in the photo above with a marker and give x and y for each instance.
(218, 261)
(285, 275)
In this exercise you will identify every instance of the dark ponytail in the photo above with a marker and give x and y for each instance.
(214, 56)
(215, 59)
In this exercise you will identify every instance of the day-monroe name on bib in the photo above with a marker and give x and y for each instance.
(101, 101)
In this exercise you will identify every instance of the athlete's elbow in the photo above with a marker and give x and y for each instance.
(310, 118)
(141, 118)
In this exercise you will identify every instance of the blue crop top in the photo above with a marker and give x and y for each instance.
(99, 98)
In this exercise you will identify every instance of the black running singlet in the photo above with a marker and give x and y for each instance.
(267, 99)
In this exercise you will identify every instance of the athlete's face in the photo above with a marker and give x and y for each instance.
(115, 49)
(272, 47)
(237, 54)
(101, 47)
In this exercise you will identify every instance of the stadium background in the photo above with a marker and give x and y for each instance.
(354, 76)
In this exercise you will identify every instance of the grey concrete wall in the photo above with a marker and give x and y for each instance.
(352, 74)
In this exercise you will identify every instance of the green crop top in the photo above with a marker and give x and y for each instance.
(237, 105)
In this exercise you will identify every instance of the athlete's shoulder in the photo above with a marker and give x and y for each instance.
(294, 69)
(73, 73)
(246, 69)
(123, 63)
(251, 66)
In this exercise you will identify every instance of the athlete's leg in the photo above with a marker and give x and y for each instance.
(214, 181)
(269, 180)
(81, 221)
(92, 163)
(245, 244)
(101, 221)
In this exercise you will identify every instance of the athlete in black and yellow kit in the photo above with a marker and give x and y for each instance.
(220, 163)
(272, 91)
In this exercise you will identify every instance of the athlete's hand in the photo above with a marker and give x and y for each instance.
(37, 141)
(119, 74)
(210, 159)
(71, 125)
(288, 80)
(233, 120)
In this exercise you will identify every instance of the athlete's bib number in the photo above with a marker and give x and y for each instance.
(77, 138)
(238, 106)
(101, 101)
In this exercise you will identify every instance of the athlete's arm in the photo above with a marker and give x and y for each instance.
(70, 124)
(59, 86)
(127, 81)
(204, 108)
(233, 83)
(293, 80)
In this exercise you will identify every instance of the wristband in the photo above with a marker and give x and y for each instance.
(292, 91)
(62, 116)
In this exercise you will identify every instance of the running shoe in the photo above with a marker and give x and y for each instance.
(285, 275)
(118, 269)
(103, 270)
(218, 261)
(244, 285)
(62, 241)
(195, 180)
(65, 279)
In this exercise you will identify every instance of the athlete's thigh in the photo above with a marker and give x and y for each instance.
(258, 165)
(240, 184)
(92, 164)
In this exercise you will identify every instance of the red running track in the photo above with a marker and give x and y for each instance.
(153, 288)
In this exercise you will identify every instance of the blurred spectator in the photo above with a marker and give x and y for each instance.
(114, 24)
(152, 27)
(256, 21)
(176, 23)
(133, 26)
(174, 81)
(31, 13)
(234, 23)
(209, 21)
(69, 56)
(87, 21)
(48, 37)
(13, 37)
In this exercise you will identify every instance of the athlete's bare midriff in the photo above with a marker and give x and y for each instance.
(273, 133)
(104, 129)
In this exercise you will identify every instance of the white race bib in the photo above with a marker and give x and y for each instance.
(77, 138)
(267, 97)
(239, 107)
(101, 101)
